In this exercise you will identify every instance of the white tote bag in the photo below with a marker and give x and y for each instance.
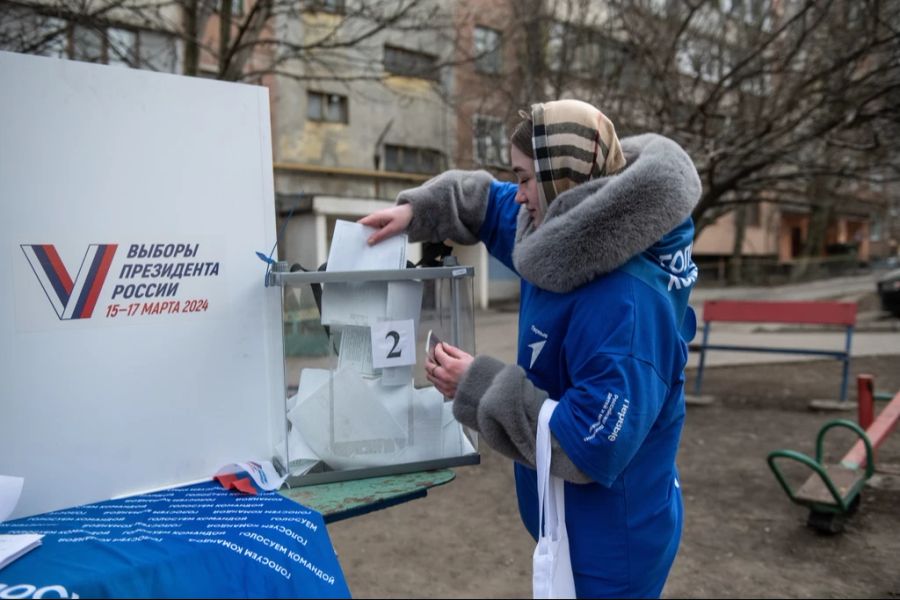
(552, 577)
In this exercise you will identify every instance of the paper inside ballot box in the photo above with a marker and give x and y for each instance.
(300, 457)
(365, 303)
(351, 421)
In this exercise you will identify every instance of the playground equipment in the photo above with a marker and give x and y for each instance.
(792, 312)
(832, 491)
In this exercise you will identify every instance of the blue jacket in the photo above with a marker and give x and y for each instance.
(603, 326)
(613, 353)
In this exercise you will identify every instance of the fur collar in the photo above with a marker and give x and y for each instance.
(598, 226)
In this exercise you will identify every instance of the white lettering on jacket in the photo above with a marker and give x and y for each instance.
(536, 347)
(677, 264)
(609, 405)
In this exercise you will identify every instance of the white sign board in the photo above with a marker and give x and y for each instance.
(139, 347)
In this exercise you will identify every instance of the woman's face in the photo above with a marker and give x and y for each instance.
(527, 194)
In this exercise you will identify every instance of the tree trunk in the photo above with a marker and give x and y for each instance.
(533, 67)
(191, 37)
(735, 263)
(822, 208)
(224, 37)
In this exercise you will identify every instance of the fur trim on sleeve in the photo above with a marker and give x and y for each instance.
(506, 405)
(449, 206)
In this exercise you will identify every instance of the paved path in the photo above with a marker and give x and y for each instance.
(848, 288)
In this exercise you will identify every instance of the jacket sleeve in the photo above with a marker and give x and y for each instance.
(500, 402)
(498, 230)
(607, 414)
(615, 394)
(450, 206)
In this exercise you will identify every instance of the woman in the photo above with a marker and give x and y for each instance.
(599, 231)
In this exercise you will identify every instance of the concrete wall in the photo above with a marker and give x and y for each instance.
(759, 240)
(341, 165)
(390, 110)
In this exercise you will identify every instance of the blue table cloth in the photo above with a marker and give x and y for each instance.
(193, 541)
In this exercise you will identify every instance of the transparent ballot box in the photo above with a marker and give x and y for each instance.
(358, 402)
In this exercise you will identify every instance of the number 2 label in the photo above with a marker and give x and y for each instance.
(395, 352)
(393, 344)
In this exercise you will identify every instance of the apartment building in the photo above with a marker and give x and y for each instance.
(343, 147)
(366, 102)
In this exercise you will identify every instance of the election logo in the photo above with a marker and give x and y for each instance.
(71, 299)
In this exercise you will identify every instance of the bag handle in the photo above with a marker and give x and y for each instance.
(551, 505)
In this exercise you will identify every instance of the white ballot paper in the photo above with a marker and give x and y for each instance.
(350, 249)
(14, 545)
(300, 457)
(428, 423)
(365, 424)
(10, 490)
(345, 424)
(361, 303)
(356, 350)
(394, 376)
(454, 440)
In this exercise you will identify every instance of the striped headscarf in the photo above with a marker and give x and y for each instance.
(573, 143)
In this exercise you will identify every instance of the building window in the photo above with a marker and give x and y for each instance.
(752, 214)
(22, 30)
(87, 44)
(703, 58)
(237, 7)
(400, 61)
(488, 57)
(337, 7)
(663, 7)
(411, 159)
(331, 108)
(752, 12)
(121, 47)
(157, 51)
(578, 51)
(53, 33)
(51, 36)
(875, 230)
(489, 140)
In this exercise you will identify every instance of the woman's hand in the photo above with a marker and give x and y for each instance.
(449, 365)
(388, 222)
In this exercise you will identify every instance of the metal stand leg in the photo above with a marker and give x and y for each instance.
(699, 383)
(846, 373)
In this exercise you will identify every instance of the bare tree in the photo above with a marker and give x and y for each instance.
(792, 101)
(234, 40)
(776, 101)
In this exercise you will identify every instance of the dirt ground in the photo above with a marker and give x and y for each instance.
(742, 536)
